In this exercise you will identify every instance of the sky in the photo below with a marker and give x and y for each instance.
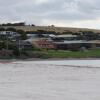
(66, 13)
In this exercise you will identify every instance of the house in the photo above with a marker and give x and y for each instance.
(9, 34)
(77, 44)
(36, 35)
(44, 44)
(68, 37)
(95, 44)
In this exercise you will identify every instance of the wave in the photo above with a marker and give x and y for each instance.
(77, 66)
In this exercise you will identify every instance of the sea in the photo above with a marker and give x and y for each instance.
(50, 80)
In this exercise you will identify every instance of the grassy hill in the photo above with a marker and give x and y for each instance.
(51, 28)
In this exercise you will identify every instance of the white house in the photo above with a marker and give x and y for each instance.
(9, 34)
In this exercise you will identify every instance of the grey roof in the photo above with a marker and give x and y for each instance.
(68, 35)
(74, 42)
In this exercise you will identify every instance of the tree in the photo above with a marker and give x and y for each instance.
(2, 29)
(89, 35)
(13, 24)
(33, 25)
(23, 34)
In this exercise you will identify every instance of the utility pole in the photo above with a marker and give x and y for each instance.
(19, 47)
(7, 47)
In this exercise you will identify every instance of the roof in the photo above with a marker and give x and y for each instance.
(77, 41)
(69, 35)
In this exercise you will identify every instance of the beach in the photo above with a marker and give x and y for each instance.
(50, 80)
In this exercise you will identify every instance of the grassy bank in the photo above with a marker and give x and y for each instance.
(55, 54)
(71, 54)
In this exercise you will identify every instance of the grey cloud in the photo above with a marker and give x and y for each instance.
(59, 10)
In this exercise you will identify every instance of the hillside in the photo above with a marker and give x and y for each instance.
(51, 28)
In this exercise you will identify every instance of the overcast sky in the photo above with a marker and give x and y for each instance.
(70, 13)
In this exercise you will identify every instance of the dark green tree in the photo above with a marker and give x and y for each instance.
(2, 29)
(23, 34)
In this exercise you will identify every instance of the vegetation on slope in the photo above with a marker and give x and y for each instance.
(71, 54)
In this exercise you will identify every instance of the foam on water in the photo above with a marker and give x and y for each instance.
(88, 63)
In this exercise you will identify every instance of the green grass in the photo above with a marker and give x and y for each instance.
(72, 54)
(58, 54)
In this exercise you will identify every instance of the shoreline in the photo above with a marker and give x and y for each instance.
(39, 59)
